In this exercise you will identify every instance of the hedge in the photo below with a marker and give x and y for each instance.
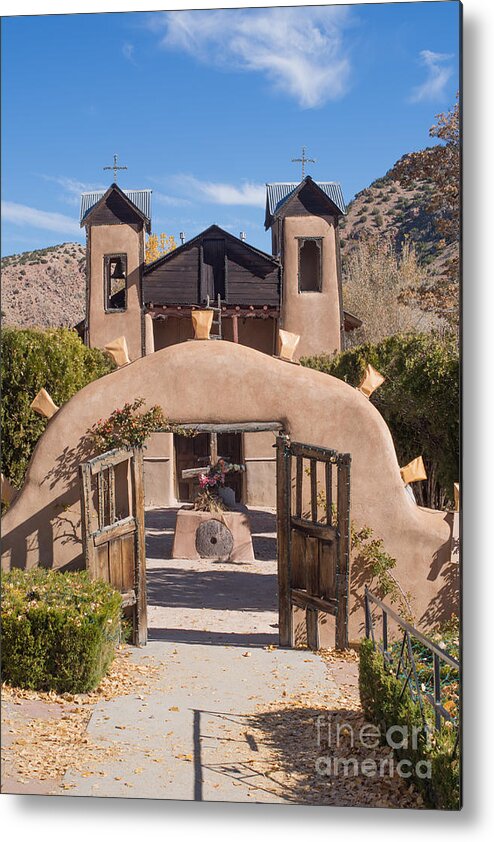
(384, 705)
(31, 359)
(419, 401)
(59, 630)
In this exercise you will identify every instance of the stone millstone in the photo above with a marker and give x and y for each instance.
(213, 540)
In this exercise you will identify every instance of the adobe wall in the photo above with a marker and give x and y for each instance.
(254, 333)
(221, 382)
(260, 465)
(315, 316)
(106, 326)
(159, 470)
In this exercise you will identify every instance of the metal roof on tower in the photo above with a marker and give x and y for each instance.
(140, 198)
(277, 194)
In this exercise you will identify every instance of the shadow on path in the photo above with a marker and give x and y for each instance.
(209, 602)
(245, 639)
(236, 590)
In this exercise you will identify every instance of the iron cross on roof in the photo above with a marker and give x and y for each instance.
(114, 167)
(303, 160)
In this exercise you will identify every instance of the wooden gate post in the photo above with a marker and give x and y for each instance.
(283, 514)
(141, 626)
(343, 554)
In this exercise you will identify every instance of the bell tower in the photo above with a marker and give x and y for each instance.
(304, 227)
(115, 222)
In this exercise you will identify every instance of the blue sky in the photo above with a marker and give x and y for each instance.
(205, 107)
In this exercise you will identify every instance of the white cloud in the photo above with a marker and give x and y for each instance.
(173, 201)
(24, 215)
(73, 188)
(223, 194)
(299, 50)
(128, 52)
(438, 75)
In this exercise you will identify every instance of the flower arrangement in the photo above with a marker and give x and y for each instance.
(215, 476)
(208, 499)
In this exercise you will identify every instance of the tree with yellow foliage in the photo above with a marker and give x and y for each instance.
(158, 245)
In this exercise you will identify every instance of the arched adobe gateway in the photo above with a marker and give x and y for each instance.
(222, 382)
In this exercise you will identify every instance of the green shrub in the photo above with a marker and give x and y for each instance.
(59, 630)
(31, 359)
(384, 704)
(419, 401)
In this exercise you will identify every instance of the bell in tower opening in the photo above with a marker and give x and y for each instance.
(116, 281)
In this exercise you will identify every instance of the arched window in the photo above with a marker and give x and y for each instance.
(309, 264)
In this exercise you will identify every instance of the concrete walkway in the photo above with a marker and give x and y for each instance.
(215, 712)
(191, 737)
(213, 627)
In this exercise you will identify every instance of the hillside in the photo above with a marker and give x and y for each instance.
(46, 288)
(388, 209)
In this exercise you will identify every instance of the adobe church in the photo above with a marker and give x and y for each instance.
(297, 288)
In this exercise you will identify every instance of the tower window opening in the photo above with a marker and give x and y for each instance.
(115, 282)
(309, 264)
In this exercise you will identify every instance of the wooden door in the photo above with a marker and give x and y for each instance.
(313, 521)
(113, 537)
(230, 448)
(199, 452)
(191, 452)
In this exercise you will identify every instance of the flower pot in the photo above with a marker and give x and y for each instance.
(202, 321)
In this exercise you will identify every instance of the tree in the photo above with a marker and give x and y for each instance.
(158, 245)
(376, 277)
(440, 166)
(419, 401)
(55, 359)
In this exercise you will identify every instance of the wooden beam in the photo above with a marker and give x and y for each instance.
(302, 599)
(247, 427)
(312, 579)
(112, 457)
(141, 630)
(315, 530)
(190, 473)
(342, 572)
(129, 599)
(299, 482)
(310, 451)
(313, 489)
(114, 530)
(213, 448)
(262, 311)
(235, 328)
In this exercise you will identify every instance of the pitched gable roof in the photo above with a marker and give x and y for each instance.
(211, 231)
(139, 201)
(277, 195)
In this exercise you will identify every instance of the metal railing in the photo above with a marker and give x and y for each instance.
(406, 664)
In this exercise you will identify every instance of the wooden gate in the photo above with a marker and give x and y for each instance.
(112, 504)
(313, 511)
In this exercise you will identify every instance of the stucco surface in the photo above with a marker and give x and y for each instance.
(225, 382)
(315, 316)
(106, 326)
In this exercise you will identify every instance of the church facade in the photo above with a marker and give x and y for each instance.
(296, 288)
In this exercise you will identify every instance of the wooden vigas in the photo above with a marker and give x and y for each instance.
(313, 511)
(112, 503)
